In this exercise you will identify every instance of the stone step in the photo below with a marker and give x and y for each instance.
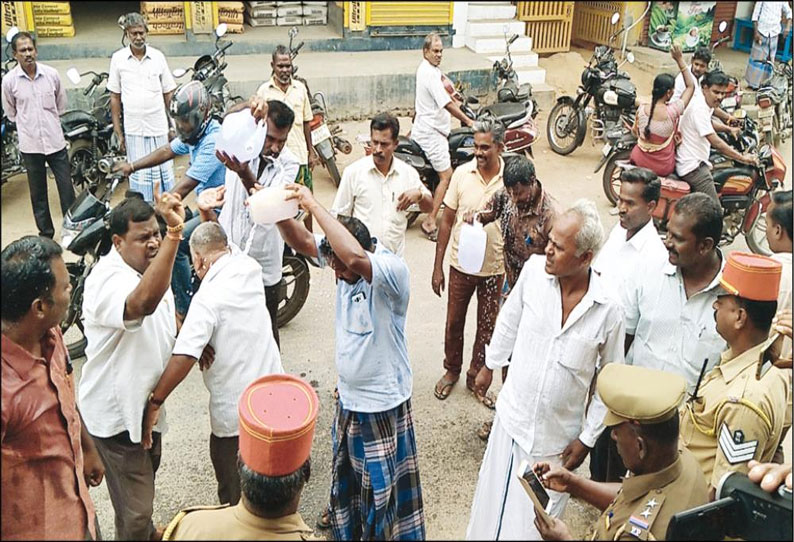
(496, 44)
(491, 10)
(494, 27)
(532, 75)
(522, 60)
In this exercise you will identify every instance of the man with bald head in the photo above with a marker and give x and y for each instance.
(228, 317)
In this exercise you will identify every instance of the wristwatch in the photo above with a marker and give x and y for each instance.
(155, 402)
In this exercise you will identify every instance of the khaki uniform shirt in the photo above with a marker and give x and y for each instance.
(646, 503)
(468, 191)
(234, 523)
(297, 98)
(736, 417)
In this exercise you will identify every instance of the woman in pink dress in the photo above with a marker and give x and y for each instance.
(656, 124)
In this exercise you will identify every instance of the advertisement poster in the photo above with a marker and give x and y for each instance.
(693, 24)
(662, 25)
(687, 24)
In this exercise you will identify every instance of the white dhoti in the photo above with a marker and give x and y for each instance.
(501, 509)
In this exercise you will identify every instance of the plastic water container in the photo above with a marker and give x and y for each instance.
(471, 247)
(269, 205)
(241, 136)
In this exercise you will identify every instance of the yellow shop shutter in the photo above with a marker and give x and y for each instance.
(409, 13)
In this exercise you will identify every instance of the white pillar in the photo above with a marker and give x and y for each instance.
(460, 16)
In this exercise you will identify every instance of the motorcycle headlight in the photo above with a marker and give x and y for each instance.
(67, 236)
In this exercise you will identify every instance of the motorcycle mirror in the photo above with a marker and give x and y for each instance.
(630, 57)
(221, 30)
(13, 31)
(293, 31)
(179, 72)
(722, 26)
(505, 29)
(615, 18)
(73, 75)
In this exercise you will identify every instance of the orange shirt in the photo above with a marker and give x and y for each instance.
(44, 494)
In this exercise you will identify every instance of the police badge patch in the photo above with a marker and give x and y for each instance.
(733, 446)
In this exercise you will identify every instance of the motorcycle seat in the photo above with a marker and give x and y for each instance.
(405, 144)
(75, 117)
(507, 112)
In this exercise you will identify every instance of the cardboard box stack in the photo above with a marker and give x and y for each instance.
(286, 13)
(164, 18)
(53, 19)
(231, 13)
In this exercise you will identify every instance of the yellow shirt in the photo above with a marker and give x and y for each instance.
(646, 503)
(736, 417)
(297, 98)
(468, 191)
(234, 523)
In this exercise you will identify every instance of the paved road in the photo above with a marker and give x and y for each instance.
(449, 452)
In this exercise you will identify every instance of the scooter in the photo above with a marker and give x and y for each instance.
(208, 69)
(507, 86)
(89, 134)
(11, 159)
(326, 138)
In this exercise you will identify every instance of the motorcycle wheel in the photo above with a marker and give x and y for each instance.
(611, 179)
(295, 281)
(756, 237)
(81, 160)
(333, 171)
(562, 128)
(72, 324)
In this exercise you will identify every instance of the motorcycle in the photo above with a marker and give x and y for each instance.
(733, 95)
(89, 134)
(615, 102)
(208, 69)
(744, 190)
(507, 87)
(11, 159)
(774, 104)
(86, 235)
(326, 138)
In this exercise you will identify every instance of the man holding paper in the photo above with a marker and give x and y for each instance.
(662, 480)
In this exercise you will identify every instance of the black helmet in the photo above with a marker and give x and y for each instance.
(190, 105)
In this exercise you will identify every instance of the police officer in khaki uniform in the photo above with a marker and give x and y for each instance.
(277, 417)
(738, 412)
(662, 479)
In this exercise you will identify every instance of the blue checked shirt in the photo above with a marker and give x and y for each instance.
(204, 165)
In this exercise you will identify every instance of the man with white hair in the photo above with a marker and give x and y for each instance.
(560, 326)
(228, 317)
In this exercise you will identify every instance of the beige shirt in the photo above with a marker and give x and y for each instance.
(736, 417)
(646, 503)
(234, 523)
(297, 98)
(365, 193)
(468, 191)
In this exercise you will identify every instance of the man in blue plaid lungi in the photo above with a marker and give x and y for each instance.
(375, 488)
(766, 31)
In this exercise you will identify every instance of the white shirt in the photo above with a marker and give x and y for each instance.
(431, 97)
(366, 194)
(266, 244)
(680, 85)
(671, 333)
(619, 257)
(229, 313)
(694, 126)
(784, 294)
(125, 359)
(542, 403)
(142, 84)
(768, 15)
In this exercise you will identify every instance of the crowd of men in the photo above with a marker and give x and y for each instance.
(665, 361)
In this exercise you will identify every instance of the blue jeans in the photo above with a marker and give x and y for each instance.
(181, 277)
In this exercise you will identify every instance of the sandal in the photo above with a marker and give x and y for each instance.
(324, 519)
(446, 388)
(485, 431)
(488, 400)
(431, 235)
